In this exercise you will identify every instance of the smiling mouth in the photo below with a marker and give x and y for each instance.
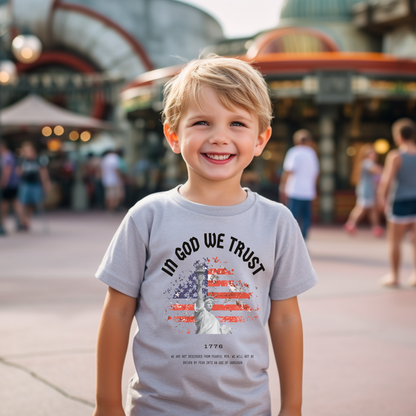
(218, 157)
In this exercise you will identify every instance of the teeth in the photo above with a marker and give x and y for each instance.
(218, 157)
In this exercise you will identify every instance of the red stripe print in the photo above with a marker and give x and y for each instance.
(182, 318)
(220, 283)
(246, 308)
(230, 295)
(223, 283)
(237, 318)
(220, 271)
(232, 319)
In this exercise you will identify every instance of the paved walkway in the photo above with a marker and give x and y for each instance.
(360, 339)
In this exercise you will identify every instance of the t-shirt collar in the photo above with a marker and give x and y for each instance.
(213, 210)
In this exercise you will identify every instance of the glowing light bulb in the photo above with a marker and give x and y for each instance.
(46, 131)
(85, 136)
(73, 135)
(58, 130)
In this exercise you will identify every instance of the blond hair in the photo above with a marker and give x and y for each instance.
(236, 83)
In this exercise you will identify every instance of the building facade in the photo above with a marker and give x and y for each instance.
(344, 69)
(329, 70)
(91, 48)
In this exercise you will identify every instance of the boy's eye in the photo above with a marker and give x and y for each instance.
(237, 123)
(201, 123)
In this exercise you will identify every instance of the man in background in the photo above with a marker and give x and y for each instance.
(298, 183)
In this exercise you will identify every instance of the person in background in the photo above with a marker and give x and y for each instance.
(9, 183)
(112, 180)
(398, 180)
(128, 199)
(298, 182)
(141, 174)
(92, 178)
(364, 175)
(34, 184)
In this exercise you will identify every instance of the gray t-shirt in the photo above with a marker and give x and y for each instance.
(247, 254)
(405, 183)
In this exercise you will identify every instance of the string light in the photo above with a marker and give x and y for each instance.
(351, 151)
(58, 130)
(73, 135)
(46, 131)
(381, 146)
(85, 136)
(54, 145)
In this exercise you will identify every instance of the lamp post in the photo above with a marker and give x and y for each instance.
(26, 49)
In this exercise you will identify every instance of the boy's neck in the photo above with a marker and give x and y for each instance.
(213, 193)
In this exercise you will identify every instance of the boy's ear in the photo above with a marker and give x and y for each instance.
(262, 140)
(172, 139)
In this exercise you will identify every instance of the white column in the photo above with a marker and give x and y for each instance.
(327, 162)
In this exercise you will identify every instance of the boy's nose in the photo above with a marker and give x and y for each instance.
(219, 137)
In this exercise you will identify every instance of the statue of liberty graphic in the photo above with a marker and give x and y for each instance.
(205, 320)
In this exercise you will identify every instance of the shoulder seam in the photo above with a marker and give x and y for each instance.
(137, 229)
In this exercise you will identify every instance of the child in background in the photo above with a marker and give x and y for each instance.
(364, 176)
(205, 266)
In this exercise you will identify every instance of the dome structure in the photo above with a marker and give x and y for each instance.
(332, 17)
(318, 9)
(124, 37)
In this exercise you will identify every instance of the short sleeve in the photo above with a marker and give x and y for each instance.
(288, 164)
(293, 272)
(123, 265)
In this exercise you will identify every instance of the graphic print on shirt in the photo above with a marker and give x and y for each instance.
(209, 300)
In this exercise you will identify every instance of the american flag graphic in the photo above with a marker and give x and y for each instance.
(233, 298)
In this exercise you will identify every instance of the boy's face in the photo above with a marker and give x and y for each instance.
(217, 144)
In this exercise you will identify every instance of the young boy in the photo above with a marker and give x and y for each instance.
(212, 248)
